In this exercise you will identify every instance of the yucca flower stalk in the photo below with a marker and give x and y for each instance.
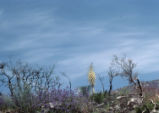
(91, 77)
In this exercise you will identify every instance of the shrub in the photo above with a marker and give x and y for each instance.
(98, 97)
(6, 102)
(147, 106)
(25, 81)
(123, 91)
(35, 89)
(64, 101)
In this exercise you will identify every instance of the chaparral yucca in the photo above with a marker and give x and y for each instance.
(91, 77)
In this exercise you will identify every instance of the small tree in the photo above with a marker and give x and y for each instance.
(101, 80)
(25, 81)
(128, 70)
(91, 77)
(111, 73)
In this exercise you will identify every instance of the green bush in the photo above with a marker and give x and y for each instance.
(123, 91)
(138, 110)
(6, 102)
(147, 106)
(98, 97)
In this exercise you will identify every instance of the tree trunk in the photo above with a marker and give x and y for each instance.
(110, 88)
(10, 88)
(140, 87)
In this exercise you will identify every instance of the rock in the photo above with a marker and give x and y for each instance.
(120, 97)
(51, 105)
(100, 105)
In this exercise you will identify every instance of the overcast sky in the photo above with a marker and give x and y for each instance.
(73, 33)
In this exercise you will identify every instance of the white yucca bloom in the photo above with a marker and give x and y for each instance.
(91, 77)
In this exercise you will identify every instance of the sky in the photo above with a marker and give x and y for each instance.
(73, 33)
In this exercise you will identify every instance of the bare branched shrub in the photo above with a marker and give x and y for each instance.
(112, 73)
(25, 81)
(127, 69)
(114, 70)
(101, 80)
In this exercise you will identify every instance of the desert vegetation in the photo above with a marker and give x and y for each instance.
(36, 89)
